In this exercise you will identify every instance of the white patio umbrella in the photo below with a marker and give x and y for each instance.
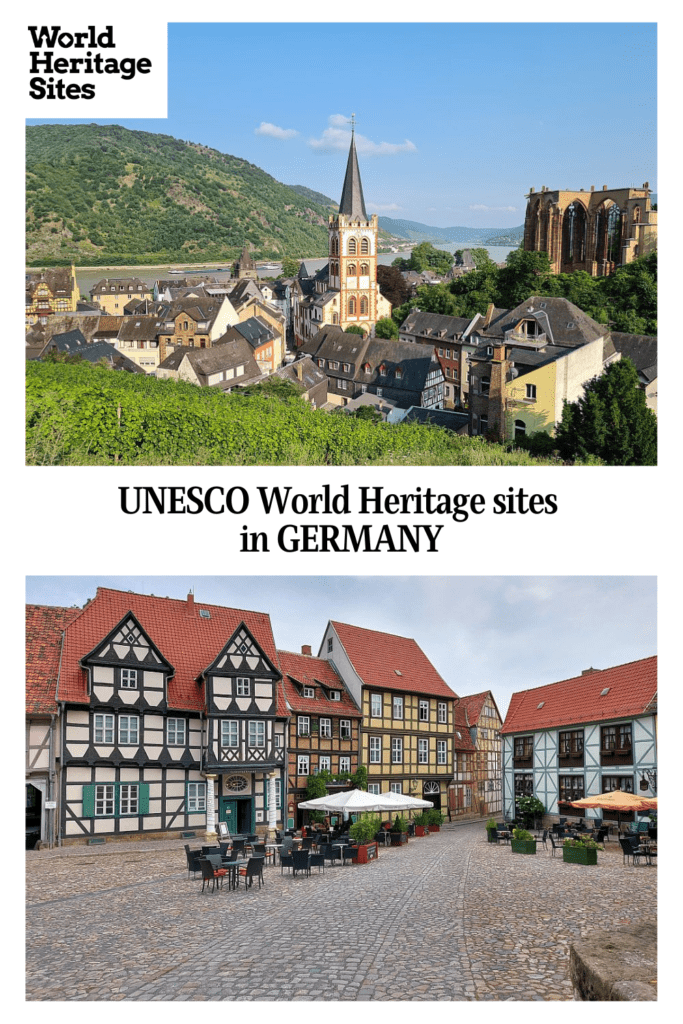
(403, 802)
(350, 801)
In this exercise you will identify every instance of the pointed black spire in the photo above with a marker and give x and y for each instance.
(352, 203)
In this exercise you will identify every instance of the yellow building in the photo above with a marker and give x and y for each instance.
(113, 294)
(407, 729)
(51, 292)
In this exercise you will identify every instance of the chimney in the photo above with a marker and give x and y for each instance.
(299, 370)
(190, 603)
(587, 671)
(489, 314)
(306, 649)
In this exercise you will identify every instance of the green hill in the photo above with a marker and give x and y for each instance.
(102, 194)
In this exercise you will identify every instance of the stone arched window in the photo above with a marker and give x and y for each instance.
(351, 270)
(364, 306)
(520, 428)
(353, 247)
(636, 215)
(352, 307)
(364, 270)
(365, 247)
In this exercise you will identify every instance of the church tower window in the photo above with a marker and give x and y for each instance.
(352, 246)
(363, 306)
(352, 307)
(365, 247)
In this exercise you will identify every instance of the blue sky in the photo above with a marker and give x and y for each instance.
(499, 633)
(455, 122)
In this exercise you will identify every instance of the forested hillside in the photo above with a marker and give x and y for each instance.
(102, 194)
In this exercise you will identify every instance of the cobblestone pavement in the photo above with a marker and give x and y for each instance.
(446, 917)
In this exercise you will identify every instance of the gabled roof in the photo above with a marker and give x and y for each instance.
(462, 740)
(352, 203)
(630, 690)
(187, 639)
(390, 662)
(436, 326)
(641, 349)
(473, 704)
(413, 363)
(44, 626)
(562, 321)
(299, 670)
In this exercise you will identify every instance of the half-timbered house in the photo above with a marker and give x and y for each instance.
(407, 730)
(483, 720)
(324, 726)
(583, 736)
(168, 718)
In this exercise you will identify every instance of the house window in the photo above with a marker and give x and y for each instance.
(622, 782)
(175, 732)
(309, 691)
(524, 747)
(345, 729)
(375, 705)
(524, 784)
(128, 799)
(570, 788)
(397, 706)
(483, 424)
(257, 734)
(324, 763)
(104, 728)
(396, 750)
(373, 787)
(396, 787)
(443, 712)
(303, 725)
(278, 738)
(352, 246)
(243, 688)
(129, 678)
(104, 801)
(363, 306)
(128, 729)
(423, 751)
(329, 644)
(229, 733)
(441, 752)
(485, 385)
(364, 270)
(531, 392)
(375, 749)
(571, 743)
(346, 367)
(335, 694)
(196, 796)
(398, 373)
(352, 270)
(520, 428)
(352, 307)
(302, 764)
(615, 738)
(424, 710)
(325, 727)
(344, 764)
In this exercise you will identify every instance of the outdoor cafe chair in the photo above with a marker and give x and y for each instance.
(286, 860)
(211, 873)
(301, 861)
(349, 853)
(192, 860)
(261, 851)
(331, 853)
(602, 834)
(251, 870)
(543, 838)
(630, 848)
(554, 846)
(238, 847)
(317, 860)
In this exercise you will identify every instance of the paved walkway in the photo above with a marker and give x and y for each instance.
(447, 917)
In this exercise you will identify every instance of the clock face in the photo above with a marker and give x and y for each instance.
(236, 783)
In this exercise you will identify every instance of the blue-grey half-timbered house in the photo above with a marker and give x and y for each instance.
(583, 736)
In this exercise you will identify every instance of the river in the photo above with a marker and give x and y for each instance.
(89, 276)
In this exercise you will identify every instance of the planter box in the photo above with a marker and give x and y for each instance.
(366, 853)
(491, 834)
(523, 845)
(435, 828)
(398, 838)
(422, 830)
(579, 855)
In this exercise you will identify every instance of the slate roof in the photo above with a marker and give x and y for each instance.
(319, 674)
(376, 657)
(255, 331)
(103, 350)
(576, 701)
(641, 349)
(60, 281)
(432, 324)
(311, 375)
(188, 641)
(352, 203)
(449, 419)
(139, 328)
(554, 316)
(44, 626)
(117, 285)
(331, 342)
(70, 341)
(414, 361)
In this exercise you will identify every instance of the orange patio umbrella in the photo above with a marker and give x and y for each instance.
(618, 800)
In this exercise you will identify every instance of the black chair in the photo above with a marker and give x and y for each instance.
(543, 838)
(331, 853)
(317, 860)
(252, 869)
(238, 847)
(211, 873)
(192, 860)
(601, 834)
(307, 843)
(630, 848)
(210, 849)
(350, 853)
(554, 846)
(301, 861)
(562, 821)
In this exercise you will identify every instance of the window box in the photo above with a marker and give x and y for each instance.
(579, 855)
(523, 845)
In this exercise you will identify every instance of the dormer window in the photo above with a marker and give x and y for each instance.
(309, 691)
(398, 373)
(382, 370)
(335, 695)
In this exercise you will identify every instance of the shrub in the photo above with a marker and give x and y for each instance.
(521, 833)
(365, 829)
(400, 824)
(434, 817)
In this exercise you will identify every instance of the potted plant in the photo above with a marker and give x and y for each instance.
(522, 841)
(363, 832)
(434, 820)
(421, 824)
(399, 831)
(491, 830)
(580, 851)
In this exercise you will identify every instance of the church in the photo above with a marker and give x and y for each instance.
(345, 291)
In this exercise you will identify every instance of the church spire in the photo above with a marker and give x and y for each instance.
(352, 204)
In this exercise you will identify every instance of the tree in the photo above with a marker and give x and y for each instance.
(290, 266)
(392, 285)
(367, 412)
(354, 329)
(425, 257)
(458, 257)
(386, 328)
(481, 259)
(525, 274)
(611, 421)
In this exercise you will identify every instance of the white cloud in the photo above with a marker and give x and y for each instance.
(504, 209)
(272, 130)
(337, 136)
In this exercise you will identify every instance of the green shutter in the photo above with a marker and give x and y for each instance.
(88, 801)
(143, 798)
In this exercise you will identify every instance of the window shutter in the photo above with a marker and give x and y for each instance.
(88, 801)
(143, 798)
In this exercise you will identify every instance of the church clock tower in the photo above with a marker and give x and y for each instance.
(353, 252)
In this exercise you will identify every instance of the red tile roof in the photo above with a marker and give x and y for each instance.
(44, 626)
(474, 703)
(462, 743)
(574, 701)
(376, 657)
(310, 672)
(190, 643)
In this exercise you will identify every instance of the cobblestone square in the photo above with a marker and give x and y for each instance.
(447, 917)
